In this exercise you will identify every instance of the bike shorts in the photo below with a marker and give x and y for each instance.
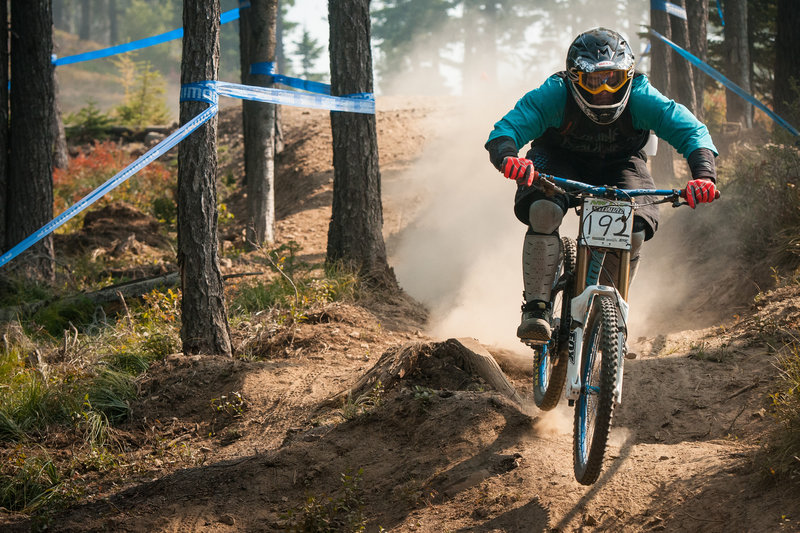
(624, 172)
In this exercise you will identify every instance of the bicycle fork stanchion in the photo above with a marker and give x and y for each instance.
(581, 306)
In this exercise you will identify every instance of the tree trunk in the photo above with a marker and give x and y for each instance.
(86, 20)
(737, 62)
(60, 151)
(489, 61)
(280, 61)
(259, 145)
(113, 23)
(204, 326)
(3, 126)
(30, 178)
(660, 67)
(60, 19)
(354, 234)
(786, 93)
(681, 77)
(697, 11)
(244, 75)
(463, 357)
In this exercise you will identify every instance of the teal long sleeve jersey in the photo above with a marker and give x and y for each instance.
(543, 110)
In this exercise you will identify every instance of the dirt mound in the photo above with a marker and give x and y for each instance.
(393, 452)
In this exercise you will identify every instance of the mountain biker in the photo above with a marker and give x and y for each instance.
(590, 123)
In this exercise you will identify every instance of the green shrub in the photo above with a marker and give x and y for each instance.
(781, 455)
(88, 124)
(28, 483)
(110, 393)
(58, 316)
(144, 95)
(297, 286)
(344, 514)
(763, 184)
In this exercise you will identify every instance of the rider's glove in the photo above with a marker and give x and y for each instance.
(520, 170)
(700, 191)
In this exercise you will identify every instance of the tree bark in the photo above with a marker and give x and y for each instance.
(354, 234)
(697, 11)
(204, 327)
(86, 20)
(259, 142)
(681, 77)
(60, 151)
(30, 178)
(244, 75)
(660, 68)
(280, 61)
(786, 92)
(737, 62)
(3, 125)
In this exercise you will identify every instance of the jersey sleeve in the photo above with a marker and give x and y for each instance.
(538, 110)
(670, 120)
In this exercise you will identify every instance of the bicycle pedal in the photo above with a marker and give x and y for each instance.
(533, 343)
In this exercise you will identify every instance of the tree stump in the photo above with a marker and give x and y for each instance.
(441, 365)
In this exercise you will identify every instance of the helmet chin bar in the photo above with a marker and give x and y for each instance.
(600, 114)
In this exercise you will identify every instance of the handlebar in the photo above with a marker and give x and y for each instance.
(615, 193)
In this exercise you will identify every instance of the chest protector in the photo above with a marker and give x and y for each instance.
(579, 134)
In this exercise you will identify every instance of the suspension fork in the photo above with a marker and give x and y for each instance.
(582, 271)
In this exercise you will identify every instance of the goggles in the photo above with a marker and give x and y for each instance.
(603, 80)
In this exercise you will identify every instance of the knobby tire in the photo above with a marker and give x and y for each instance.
(595, 405)
(550, 360)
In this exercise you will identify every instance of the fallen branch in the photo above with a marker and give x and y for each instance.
(108, 295)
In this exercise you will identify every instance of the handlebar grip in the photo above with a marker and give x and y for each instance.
(683, 194)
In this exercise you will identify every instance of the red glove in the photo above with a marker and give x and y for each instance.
(700, 191)
(520, 170)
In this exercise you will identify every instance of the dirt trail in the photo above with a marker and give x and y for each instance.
(460, 459)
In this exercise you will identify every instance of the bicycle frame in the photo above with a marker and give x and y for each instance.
(587, 286)
(594, 317)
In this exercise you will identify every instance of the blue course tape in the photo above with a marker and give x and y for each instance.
(204, 91)
(719, 10)
(669, 7)
(226, 17)
(355, 103)
(150, 156)
(708, 69)
(199, 92)
(267, 68)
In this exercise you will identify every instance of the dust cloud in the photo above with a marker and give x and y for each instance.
(460, 250)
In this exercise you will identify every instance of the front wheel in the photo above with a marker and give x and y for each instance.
(550, 360)
(595, 405)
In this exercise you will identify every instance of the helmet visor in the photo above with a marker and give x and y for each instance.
(603, 80)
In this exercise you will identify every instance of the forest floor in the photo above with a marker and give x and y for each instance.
(438, 450)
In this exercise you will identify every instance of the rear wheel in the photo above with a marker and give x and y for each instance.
(595, 405)
(550, 360)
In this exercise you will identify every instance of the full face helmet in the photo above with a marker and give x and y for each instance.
(600, 67)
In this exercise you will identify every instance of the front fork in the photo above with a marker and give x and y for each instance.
(580, 308)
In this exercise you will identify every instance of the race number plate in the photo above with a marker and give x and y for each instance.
(606, 223)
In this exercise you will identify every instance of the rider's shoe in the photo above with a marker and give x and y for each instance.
(535, 323)
(630, 354)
